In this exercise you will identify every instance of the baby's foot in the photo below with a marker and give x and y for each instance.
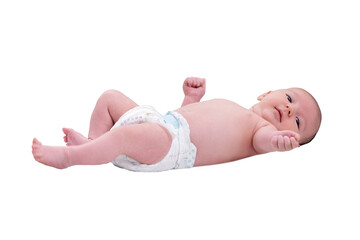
(56, 157)
(73, 138)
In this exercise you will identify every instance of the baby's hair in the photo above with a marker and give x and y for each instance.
(306, 141)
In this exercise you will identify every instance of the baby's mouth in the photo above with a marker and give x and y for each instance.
(280, 114)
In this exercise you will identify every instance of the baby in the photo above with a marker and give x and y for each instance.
(138, 138)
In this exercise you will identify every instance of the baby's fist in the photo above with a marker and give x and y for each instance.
(285, 140)
(194, 87)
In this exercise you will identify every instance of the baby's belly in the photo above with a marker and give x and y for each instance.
(220, 144)
(218, 137)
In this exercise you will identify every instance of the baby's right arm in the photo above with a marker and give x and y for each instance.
(194, 89)
(268, 139)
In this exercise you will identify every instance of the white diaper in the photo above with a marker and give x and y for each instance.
(182, 152)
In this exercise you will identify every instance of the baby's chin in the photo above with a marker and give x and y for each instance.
(269, 116)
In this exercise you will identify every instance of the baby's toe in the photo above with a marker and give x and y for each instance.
(36, 149)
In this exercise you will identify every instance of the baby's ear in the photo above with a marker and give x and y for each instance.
(263, 95)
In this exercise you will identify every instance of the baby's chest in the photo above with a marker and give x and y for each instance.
(227, 130)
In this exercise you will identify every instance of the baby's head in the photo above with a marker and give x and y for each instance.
(291, 109)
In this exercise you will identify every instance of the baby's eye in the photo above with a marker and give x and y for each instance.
(297, 122)
(289, 98)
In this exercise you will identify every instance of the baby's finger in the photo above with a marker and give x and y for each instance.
(274, 143)
(196, 83)
(202, 82)
(287, 143)
(294, 143)
(190, 82)
(281, 143)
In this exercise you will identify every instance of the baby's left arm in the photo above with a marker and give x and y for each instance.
(268, 139)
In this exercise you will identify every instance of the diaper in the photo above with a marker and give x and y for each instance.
(182, 152)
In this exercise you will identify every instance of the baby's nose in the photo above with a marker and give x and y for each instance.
(289, 109)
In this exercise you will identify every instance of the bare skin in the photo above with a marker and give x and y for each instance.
(152, 141)
(221, 130)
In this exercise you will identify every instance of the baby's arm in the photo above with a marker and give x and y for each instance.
(194, 90)
(268, 139)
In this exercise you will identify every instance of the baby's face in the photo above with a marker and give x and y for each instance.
(291, 109)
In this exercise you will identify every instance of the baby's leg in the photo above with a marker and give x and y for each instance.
(148, 143)
(109, 108)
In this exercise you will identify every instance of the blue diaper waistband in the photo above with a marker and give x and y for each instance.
(169, 118)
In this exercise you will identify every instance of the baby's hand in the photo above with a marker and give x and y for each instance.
(194, 87)
(285, 140)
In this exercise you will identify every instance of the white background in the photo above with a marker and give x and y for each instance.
(57, 57)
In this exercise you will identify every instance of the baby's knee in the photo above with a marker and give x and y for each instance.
(110, 93)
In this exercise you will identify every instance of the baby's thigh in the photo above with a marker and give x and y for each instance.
(147, 143)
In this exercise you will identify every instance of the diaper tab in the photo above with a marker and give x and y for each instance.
(169, 118)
